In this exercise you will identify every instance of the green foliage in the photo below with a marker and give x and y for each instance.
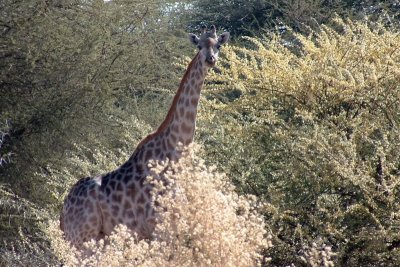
(244, 17)
(314, 132)
(18, 219)
(62, 66)
(70, 71)
(75, 75)
(237, 17)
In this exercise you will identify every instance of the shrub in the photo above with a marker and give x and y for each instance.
(202, 222)
(18, 247)
(312, 127)
(75, 75)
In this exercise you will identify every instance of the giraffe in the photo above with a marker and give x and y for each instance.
(95, 205)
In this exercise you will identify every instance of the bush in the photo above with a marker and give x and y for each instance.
(75, 75)
(202, 222)
(18, 218)
(250, 17)
(312, 127)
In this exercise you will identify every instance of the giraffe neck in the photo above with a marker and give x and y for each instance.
(179, 124)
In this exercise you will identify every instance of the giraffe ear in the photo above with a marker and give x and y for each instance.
(194, 39)
(223, 38)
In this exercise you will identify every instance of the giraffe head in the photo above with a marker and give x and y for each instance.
(209, 44)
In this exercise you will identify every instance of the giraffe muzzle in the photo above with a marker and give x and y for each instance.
(211, 61)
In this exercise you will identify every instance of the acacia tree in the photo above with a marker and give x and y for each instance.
(66, 65)
(315, 133)
(71, 73)
(243, 17)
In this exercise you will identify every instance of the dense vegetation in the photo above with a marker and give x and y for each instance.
(304, 115)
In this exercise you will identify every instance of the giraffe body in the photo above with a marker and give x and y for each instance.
(96, 205)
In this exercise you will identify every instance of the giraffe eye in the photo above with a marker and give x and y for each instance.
(199, 47)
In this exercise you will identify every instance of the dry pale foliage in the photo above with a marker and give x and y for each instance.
(202, 222)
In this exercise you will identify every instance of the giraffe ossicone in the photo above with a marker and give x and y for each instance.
(95, 205)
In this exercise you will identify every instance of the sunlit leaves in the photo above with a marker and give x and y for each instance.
(314, 131)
